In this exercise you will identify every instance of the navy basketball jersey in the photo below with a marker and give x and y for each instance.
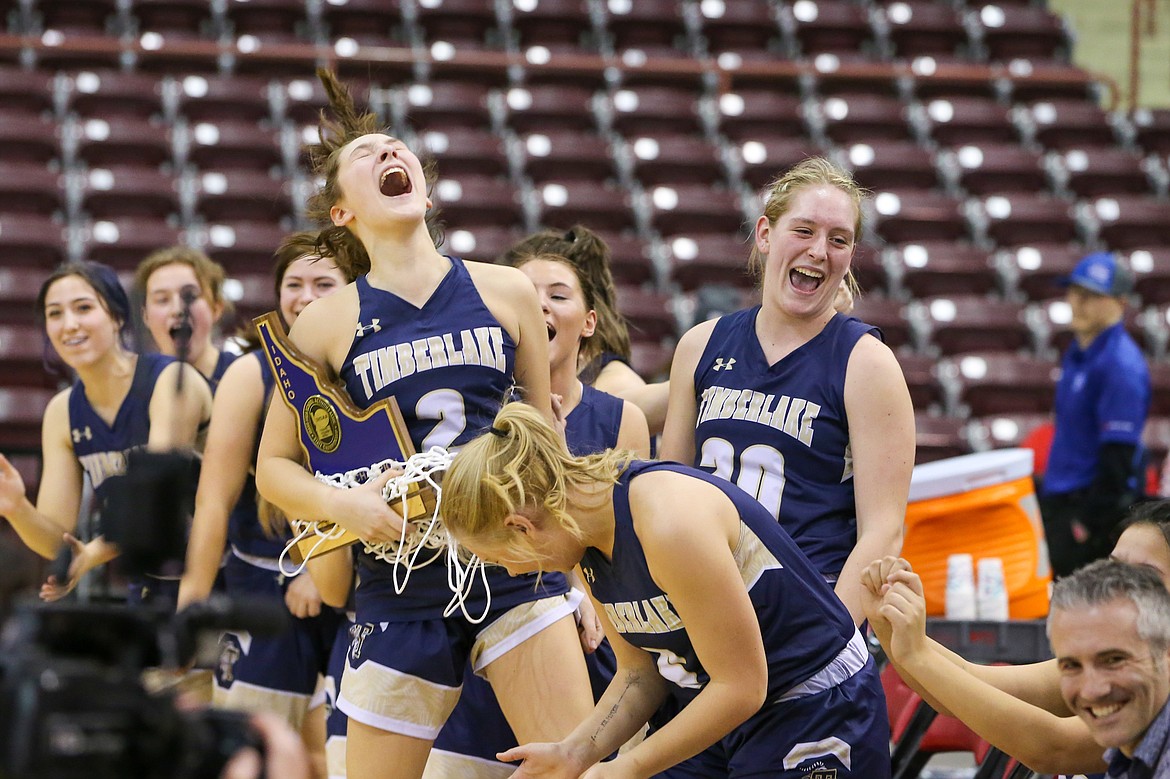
(593, 425)
(803, 623)
(780, 431)
(449, 365)
(102, 449)
(226, 358)
(245, 533)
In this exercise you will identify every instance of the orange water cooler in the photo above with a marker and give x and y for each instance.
(983, 504)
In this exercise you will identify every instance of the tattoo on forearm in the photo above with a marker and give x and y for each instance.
(632, 680)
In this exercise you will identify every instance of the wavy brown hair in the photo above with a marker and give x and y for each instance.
(339, 125)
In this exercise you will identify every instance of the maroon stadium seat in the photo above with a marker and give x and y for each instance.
(914, 215)
(655, 109)
(28, 188)
(701, 259)
(1000, 431)
(1151, 269)
(1130, 221)
(123, 141)
(231, 144)
(21, 411)
(26, 91)
(668, 159)
(31, 240)
(943, 268)
(601, 205)
(469, 200)
(18, 293)
(1037, 268)
(244, 246)
(124, 242)
(218, 98)
(447, 104)
(918, 28)
(629, 260)
(1098, 171)
(545, 107)
(242, 194)
(991, 168)
(955, 121)
(651, 361)
(753, 113)
(890, 315)
(765, 158)
(1066, 124)
(466, 150)
(649, 314)
(646, 24)
(1152, 129)
(467, 23)
(921, 374)
(22, 354)
(830, 26)
(939, 437)
(28, 138)
(559, 155)
(697, 207)
(566, 24)
(997, 382)
(973, 323)
(1018, 218)
(898, 165)
(369, 22)
(1027, 32)
(270, 21)
(176, 18)
(863, 117)
(116, 93)
(484, 243)
(739, 27)
(129, 191)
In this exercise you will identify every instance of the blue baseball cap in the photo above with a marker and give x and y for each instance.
(1103, 273)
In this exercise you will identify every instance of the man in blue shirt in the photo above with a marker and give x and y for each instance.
(1109, 626)
(1095, 468)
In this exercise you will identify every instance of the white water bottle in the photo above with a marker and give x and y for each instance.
(960, 598)
(992, 600)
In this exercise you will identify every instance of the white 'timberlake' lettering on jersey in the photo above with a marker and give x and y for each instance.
(483, 346)
(645, 616)
(793, 416)
(102, 465)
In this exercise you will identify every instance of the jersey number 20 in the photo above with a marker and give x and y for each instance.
(761, 470)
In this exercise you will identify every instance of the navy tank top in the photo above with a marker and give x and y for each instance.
(449, 364)
(780, 431)
(803, 623)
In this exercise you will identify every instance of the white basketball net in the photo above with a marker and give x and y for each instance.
(429, 541)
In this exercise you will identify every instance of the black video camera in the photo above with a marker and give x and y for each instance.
(72, 699)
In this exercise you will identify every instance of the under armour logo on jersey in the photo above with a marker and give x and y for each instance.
(87, 434)
(589, 577)
(720, 365)
(372, 327)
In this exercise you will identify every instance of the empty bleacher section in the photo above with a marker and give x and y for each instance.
(130, 124)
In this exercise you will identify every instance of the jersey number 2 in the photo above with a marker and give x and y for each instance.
(445, 406)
